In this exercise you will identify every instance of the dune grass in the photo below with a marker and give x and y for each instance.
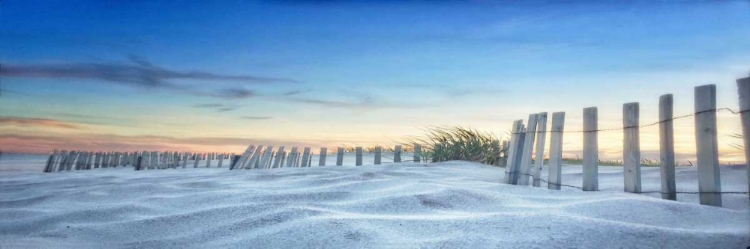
(457, 143)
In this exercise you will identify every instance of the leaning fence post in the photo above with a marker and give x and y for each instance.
(743, 86)
(666, 148)
(590, 149)
(279, 158)
(554, 176)
(397, 154)
(340, 156)
(528, 146)
(138, 163)
(263, 164)
(50, 162)
(537, 171)
(322, 159)
(631, 153)
(510, 172)
(417, 153)
(709, 183)
(290, 157)
(378, 154)
(253, 161)
(305, 157)
(358, 156)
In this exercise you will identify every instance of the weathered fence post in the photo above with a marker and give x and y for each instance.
(138, 163)
(709, 183)
(305, 157)
(510, 171)
(266, 156)
(590, 149)
(631, 153)
(743, 86)
(528, 147)
(242, 158)
(496, 152)
(397, 154)
(542, 124)
(340, 156)
(208, 160)
(290, 157)
(221, 160)
(279, 157)
(554, 176)
(378, 154)
(322, 159)
(50, 162)
(358, 156)
(417, 153)
(253, 162)
(197, 160)
(666, 148)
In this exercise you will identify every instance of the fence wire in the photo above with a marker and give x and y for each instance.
(642, 192)
(641, 126)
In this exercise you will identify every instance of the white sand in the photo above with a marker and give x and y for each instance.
(453, 204)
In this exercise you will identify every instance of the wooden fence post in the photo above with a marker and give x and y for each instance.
(305, 157)
(89, 159)
(50, 162)
(208, 160)
(666, 148)
(138, 163)
(277, 163)
(340, 156)
(709, 183)
(97, 159)
(417, 153)
(528, 147)
(290, 157)
(540, 140)
(496, 152)
(221, 160)
(397, 154)
(322, 159)
(263, 164)
(631, 153)
(253, 161)
(378, 154)
(510, 171)
(242, 158)
(358, 156)
(590, 149)
(743, 87)
(554, 176)
(197, 160)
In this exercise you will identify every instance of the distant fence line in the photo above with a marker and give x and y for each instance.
(254, 157)
(519, 163)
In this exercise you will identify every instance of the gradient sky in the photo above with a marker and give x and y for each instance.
(127, 75)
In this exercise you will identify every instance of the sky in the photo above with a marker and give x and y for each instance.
(215, 77)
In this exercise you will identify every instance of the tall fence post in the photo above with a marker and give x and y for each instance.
(528, 147)
(254, 158)
(378, 154)
(709, 183)
(541, 130)
(242, 158)
(397, 154)
(590, 149)
(339, 156)
(510, 171)
(263, 164)
(277, 163)
(666, 148)
(743, 86)
(322, 159)
(631, 153)
(417, 153)
(358, 155)
(554, 176)
(305, 157)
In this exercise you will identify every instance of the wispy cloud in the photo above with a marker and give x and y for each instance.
(139, 72)
(37, 122)
(256, 117)
(218, 107)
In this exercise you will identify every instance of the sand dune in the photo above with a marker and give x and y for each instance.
(452, 204)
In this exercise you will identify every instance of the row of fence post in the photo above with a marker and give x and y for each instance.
(62, 160)
(251, 158)
(522, 140)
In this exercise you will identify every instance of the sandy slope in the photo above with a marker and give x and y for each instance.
(454, 204)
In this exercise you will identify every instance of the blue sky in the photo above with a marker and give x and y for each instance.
(351, 72)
